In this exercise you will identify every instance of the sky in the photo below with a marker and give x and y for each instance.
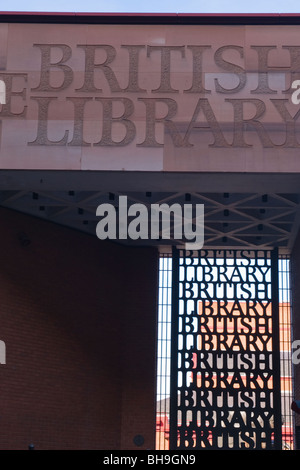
(155, 6)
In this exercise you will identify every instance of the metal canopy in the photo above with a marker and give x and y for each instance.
(241, 210)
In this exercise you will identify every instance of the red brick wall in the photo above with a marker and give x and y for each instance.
(78, 317)
(138, 357)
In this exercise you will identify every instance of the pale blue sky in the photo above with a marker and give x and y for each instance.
(157, 6)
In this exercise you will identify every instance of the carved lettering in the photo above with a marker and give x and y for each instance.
(290, 122)
(109, 120)
(295, 64)
(47, 65)
(239, 122)
(204, 106)
(263, 69)
(7, 108)
(79, 104)
(151, 120)
(198, 79)
(90, 66)
(133, 75)
(115, 72)
(42, 130)
(165, 83)
(231, 68)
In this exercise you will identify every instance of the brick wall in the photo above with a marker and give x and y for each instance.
(78, 317)
(137, 356)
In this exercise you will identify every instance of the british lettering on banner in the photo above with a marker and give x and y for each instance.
(226, 395)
